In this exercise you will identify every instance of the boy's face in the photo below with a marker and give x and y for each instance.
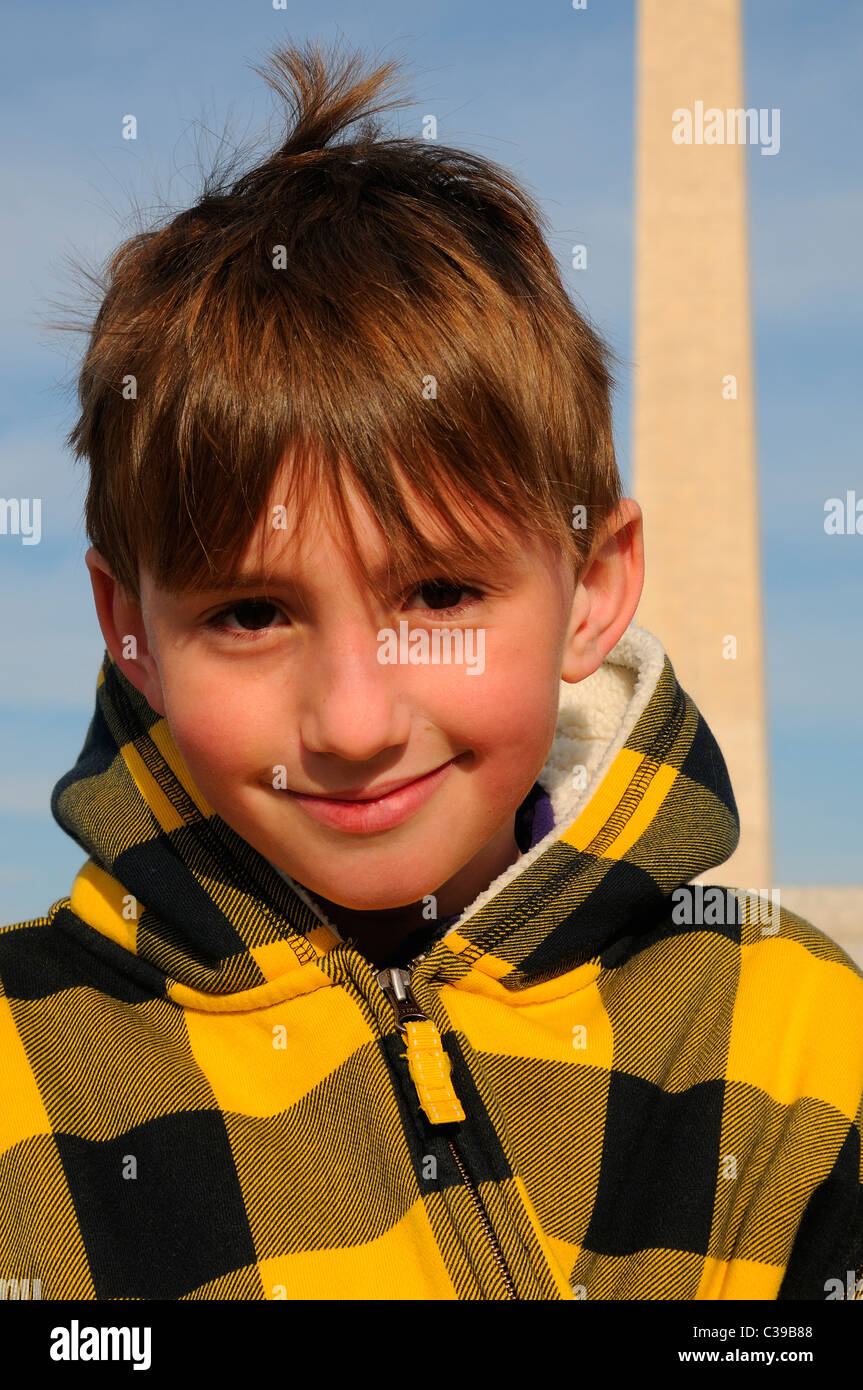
(284, 713)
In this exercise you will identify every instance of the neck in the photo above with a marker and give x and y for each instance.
(379, 932)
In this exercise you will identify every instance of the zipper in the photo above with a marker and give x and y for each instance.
(430, 1069)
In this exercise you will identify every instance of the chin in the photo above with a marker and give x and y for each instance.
(374, 902)
(374, 899)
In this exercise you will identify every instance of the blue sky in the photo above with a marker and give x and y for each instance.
(547, 91)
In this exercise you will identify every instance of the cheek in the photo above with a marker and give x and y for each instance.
(509, 712)
(217, 724)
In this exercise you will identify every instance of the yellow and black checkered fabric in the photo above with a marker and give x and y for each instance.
(203, 1094)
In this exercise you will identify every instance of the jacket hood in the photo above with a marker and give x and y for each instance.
(642, 804)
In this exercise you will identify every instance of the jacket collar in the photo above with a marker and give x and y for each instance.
(642, 804)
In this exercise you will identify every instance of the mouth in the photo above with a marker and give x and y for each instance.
(375, 793)
(367, 810)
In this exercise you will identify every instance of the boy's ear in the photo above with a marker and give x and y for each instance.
(607, 593)
(122, 624)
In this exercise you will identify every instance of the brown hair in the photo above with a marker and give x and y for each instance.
(413, 331)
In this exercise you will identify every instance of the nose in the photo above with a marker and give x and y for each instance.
(352, 706)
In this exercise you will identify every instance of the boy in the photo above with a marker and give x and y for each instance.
(385, 976)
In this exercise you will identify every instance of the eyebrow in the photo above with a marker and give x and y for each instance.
(450, 559)
(254, 579)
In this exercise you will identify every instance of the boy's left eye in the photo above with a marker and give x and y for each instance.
(442, 595)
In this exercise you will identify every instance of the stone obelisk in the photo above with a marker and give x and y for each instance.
(693, 442)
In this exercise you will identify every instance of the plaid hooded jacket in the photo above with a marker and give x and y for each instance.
(205, 1093)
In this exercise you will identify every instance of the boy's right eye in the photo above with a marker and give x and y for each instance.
(255, 614)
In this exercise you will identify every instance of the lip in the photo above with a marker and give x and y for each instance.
(375, 793)
(360, 814)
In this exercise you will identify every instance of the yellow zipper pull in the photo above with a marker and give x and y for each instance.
(427, 1060)
(430, 1069)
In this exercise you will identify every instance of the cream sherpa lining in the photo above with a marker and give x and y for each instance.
(595, 718)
